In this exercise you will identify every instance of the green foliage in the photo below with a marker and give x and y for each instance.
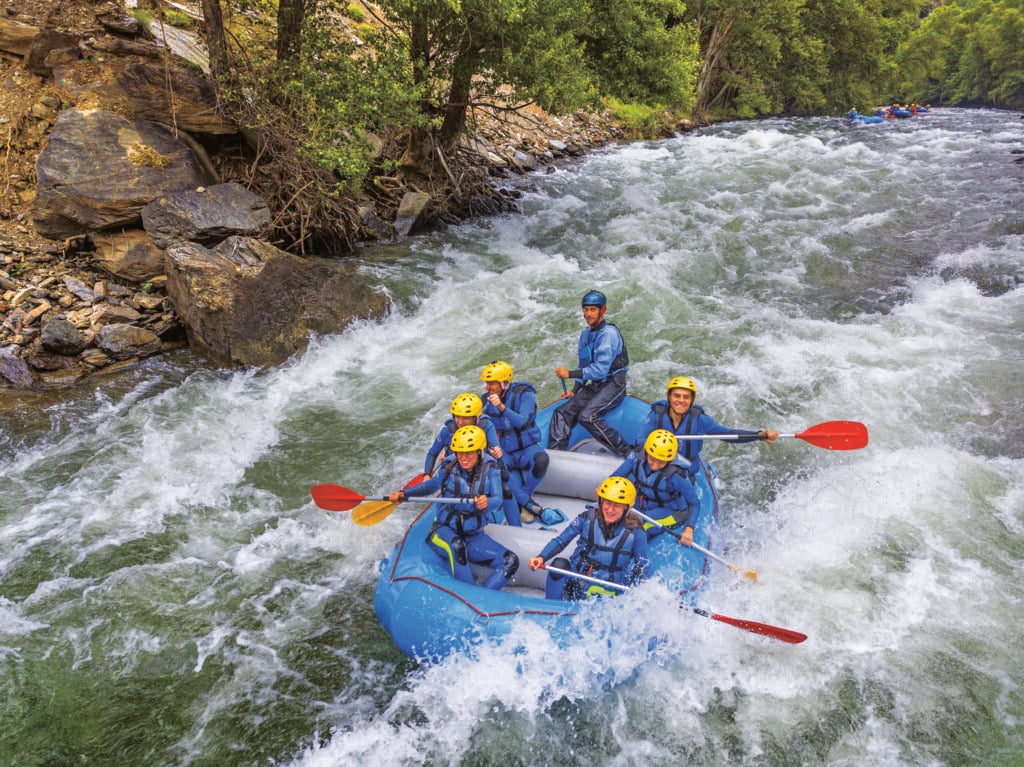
(343, 96)
(640, 120)
(858, 38)
(178, 18)
(524, 48)
(638, 55)
(329, 103)
(648, 61)
(797, 56)
(967, 53)
(143, 16)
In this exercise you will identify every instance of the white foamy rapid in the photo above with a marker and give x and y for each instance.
(160, 559)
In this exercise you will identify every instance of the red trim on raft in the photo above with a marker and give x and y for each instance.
(392, 578)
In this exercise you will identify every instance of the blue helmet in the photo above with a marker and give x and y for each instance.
(595, 298)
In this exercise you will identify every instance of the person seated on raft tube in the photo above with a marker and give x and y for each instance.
(512, 407)
(663, 489)
(457, 534)
(600, 381)
(466, 410)
(679, 415)
(611, 546)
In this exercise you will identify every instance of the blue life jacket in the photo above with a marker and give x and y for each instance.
(513, 439)
(465, 518)
(653, 487)
(690, 448)
(621, 361)
(608, 557)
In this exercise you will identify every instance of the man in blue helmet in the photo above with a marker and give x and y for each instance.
(600, 381)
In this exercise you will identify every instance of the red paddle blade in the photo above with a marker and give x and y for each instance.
(836, 435)
(775, 632)
(416, 480)
(335, 497)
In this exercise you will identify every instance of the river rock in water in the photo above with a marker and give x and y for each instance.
(246, 303)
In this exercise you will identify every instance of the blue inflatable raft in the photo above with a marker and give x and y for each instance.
(430, 614)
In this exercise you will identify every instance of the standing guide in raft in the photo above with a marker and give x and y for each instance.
(664, 490)
(679, 415)
(457, 534)
(600, 381)
(611, 546)
(512, 407)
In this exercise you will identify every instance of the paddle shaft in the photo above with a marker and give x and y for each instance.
(424, 499)
(764, 629)
(582, 577)
(831, 435)
(697, 547)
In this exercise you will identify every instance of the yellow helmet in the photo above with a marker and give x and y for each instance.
(617, 490)
(496, 371)
(661, 445)
(468, 405)
(468, 439)
(681, 382)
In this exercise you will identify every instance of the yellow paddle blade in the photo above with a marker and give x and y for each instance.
(372, 512)
(748, 573)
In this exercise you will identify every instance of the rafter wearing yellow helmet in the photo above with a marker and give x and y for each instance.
(680, 415)
(610, 546)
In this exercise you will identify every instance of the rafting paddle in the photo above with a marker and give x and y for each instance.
(341, 498)
(709, 554)
(831, 435)
(764, 629)
(365, 513)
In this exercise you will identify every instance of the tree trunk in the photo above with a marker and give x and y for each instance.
(455, 112)
(419, 147)
(214, 24)
(290, 16)
(715, 49)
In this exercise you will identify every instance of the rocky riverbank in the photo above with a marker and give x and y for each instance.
(92, 296)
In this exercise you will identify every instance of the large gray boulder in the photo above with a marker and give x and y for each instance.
(98, 171)
(151, 90)
(246, 303)
(206, 216)
(61, 337)
(193, 104)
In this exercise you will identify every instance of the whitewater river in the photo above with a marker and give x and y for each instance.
(169, 595)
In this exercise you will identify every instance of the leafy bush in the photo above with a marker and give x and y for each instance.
(640, 120)
(144, 17)
(178, 18)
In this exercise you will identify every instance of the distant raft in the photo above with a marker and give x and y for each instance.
(856, 118)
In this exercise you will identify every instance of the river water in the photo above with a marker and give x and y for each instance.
(169, 595)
